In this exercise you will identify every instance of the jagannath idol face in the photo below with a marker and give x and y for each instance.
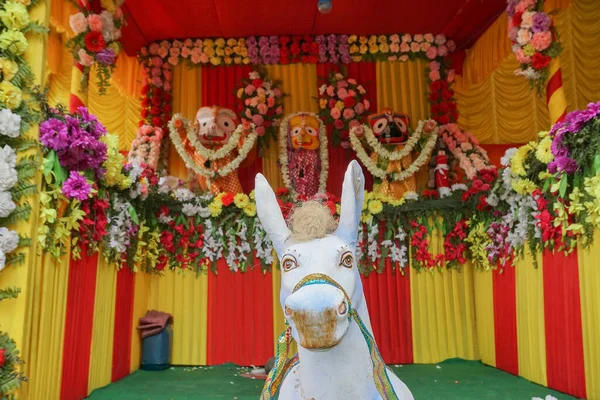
(304, 132)
(215, 125)
(389, 126)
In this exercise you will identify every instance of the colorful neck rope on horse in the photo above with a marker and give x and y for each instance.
(283, 365)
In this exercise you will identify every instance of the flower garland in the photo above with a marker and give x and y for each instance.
(283, 152)
(534, 38)
(419, 162)
(97, 29)
(261, 103)
(395, 155)
(178, 121)
(465, 147)
(145, 148)
(343, 105)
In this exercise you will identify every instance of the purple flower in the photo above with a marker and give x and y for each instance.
(106, 57)
(76, 187)
(563, 164)
(85, 115)
(85, 152)
(263, 41)
(251, 41)
(510, 9)
(54, 134)
(541, 22)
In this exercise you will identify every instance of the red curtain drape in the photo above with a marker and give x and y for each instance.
(218, 88)
(388, 301)
(564, 337)
(124, 298)
(240, 316)
(79, 321)
(365, 74)
(505, 320)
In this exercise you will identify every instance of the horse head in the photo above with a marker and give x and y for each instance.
(320, 282)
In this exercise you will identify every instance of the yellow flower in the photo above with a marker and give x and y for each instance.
(10, 95)
(375, 207)
(250, 210)
(366, 218)
(13, 41)
(356, 58)
(232, 42)
(108, 5)
(242, 42)
(575, 207)
(48, 214)
(251, 195)
(352, 39)
(354, 49)
(240, 93)
(246, 60)
(372, 40)
(544, 150)
(523, 186)
(215, 208)
(543, 134)
(529, 50)
(14, 16)
(237, 60)
(544, 175)
(323, 103)
(228, 51)
(339, 105)
(8, 68)
(114, 163)
(220, 52)
(220, 42)
(384, 47)
(208, 42)
(115, 47)
(237, 49)
(373, 49)
(517, 162)
(363, 39)
(228, 60)
(363, 48)
(382, 39)
(241, 200)
(397, 203)
(215, 60)
(209, 51)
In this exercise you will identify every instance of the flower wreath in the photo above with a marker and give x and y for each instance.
(323, 151)
(419, 162)
(177, 121)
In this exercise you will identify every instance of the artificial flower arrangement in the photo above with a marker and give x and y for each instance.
(145, 148)
(535, 40)
(463, 146)
(97, 27)
(261, 103)
(343, 105)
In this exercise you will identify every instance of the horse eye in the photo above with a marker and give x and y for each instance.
(288, 263)
(347, 260)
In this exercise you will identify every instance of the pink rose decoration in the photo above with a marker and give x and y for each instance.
(258, 119)
(277, 92)
(188, 43)
(367, 104)
(428, 37)
(434, 65)
(165, 44)
(425, 46)
(156, 81)
(521, 57)
(153, 49)
(521, 7)
(403, 58)
(351, 93)
(177, 44)
(359, 108)
(254, 101)
(404, 47)
(395, 38)
(353, 124)
(418, 38)
(175, 51)
(156, 72)
(271, 101)
(335, 113)
(84, 58)
(249, 89)
(434, 75)
(185, 52)
(167, 87)
(392, 58)
(204, 58)
(541, 40)
(361, 89)
(260, 131)
(348, 113)
(339, 124)
(432, 53)
(406, 37)
(395, 48)
(342, 84)
(512, 33)
(524, 36)
(440, 39)
(247, 102)
(430, 125)
(342, 93)
(95, 22)
(527, 19)
(262, 108)
(352, 81)
(415, 47)
(330, 90)
(451, 45)
(466, 146)
(279, 110)
(157, 61)
(163, 52)
(198, 43)
(451, 75)
(442, 50)
(195, 58)
(78, 23)
(173, 60)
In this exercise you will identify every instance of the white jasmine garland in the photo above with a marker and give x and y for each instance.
(7, 206)
(10, 123)
(323, 151)
(395, 155)
(9, 240)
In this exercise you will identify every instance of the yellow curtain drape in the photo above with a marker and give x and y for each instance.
(498, 106)
(484, 312)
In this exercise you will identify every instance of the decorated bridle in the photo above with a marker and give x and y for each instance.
(283, 364)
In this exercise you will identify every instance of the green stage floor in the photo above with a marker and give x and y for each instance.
(452, 379)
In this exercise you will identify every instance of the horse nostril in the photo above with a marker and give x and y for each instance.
(342, 308)
(288, 311)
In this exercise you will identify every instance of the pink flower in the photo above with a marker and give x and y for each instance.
(440, 39)
(428, 37)
(330, 90)
(425, 46)
(348, 113)
(442, 50)
(394, 48)
(248, 113)
(403, 58)
(342, 93)
(395, 38)
(527, 19)
(524, 36)
(367, 104)
(163, 52)
(466, 146)
(406, 37)
(339, 124)
(78, 23)
(342, 84)
(541, 40)
(177, 44)
(258, 119)
(249, 89)
(185, 52)
(156, 81)
(521, 57)
(277, 92)
(157, 61)
(254, 101)
(84, 58)
(451, 75)
(345, 144)
(95, 22)
(167, 87)
(359, 108)
(188, 43)
(144, 51)
(335, 113)
(262, 108)
(156, 72)
(361, 89)
(279, 110)
(434, 75)
(392, 58)
(175, 51)
(260, 131)
(204, 58)
(353, 124)
(195, 58)
(404, 47)
(512, 33)
(247, 102)
(165, 44)
(351, 93)
(352, 81)
(451, 45)
(198, 43)
(154, 49)
(271, 101)
(434, 65)
(430, 125)
(418, 38)
(173, 60)
(432, 53)
(415, 47)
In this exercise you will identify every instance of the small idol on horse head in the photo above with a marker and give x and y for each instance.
(323, 302)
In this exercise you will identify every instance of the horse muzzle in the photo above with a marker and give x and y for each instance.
(319, 315)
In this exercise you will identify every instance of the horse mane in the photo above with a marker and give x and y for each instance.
(311, 220)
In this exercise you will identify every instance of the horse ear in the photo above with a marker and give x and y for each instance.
(269, 214)
(352, 201)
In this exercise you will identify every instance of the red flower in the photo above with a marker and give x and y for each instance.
(434, 97)
(94, 42)
(2, 358)
(488, 175)
(332, 103)
(444, 107)
(339, 124)
(167, 98)
(517, 18)
(435, 86)
(444, 119)
(156, 101)
(257, 83)
(540, 61)
(145, 102)
(332, 207)
(430, 194)
(155, 111)
(166, 109)
(227, 199)
(144, 113)
(283, 40)
(447, 94)
(349, 102)
(295, 49)
(156, 121)
(145, 89)
(281, 192)
(435, 109)
(166, 239)
(482, 205)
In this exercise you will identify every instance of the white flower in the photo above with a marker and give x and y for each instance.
(508, 155)
(492, 200)
(254, 75)
(548, 397)
(9, 240)
(8, 155)
(204, 212)
(108, 26)
(10, 123)
(165, 219)
(6, 204)
(8, 176)
(184, 194)
(459, 186)
(411, 196)
(528, 73)
(2, 260)
(189, 210)
(444, 192)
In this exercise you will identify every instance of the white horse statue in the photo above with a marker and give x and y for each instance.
(323, 302)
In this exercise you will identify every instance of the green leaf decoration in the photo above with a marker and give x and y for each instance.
(9, 293)
(563, 185)
(133, 214)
